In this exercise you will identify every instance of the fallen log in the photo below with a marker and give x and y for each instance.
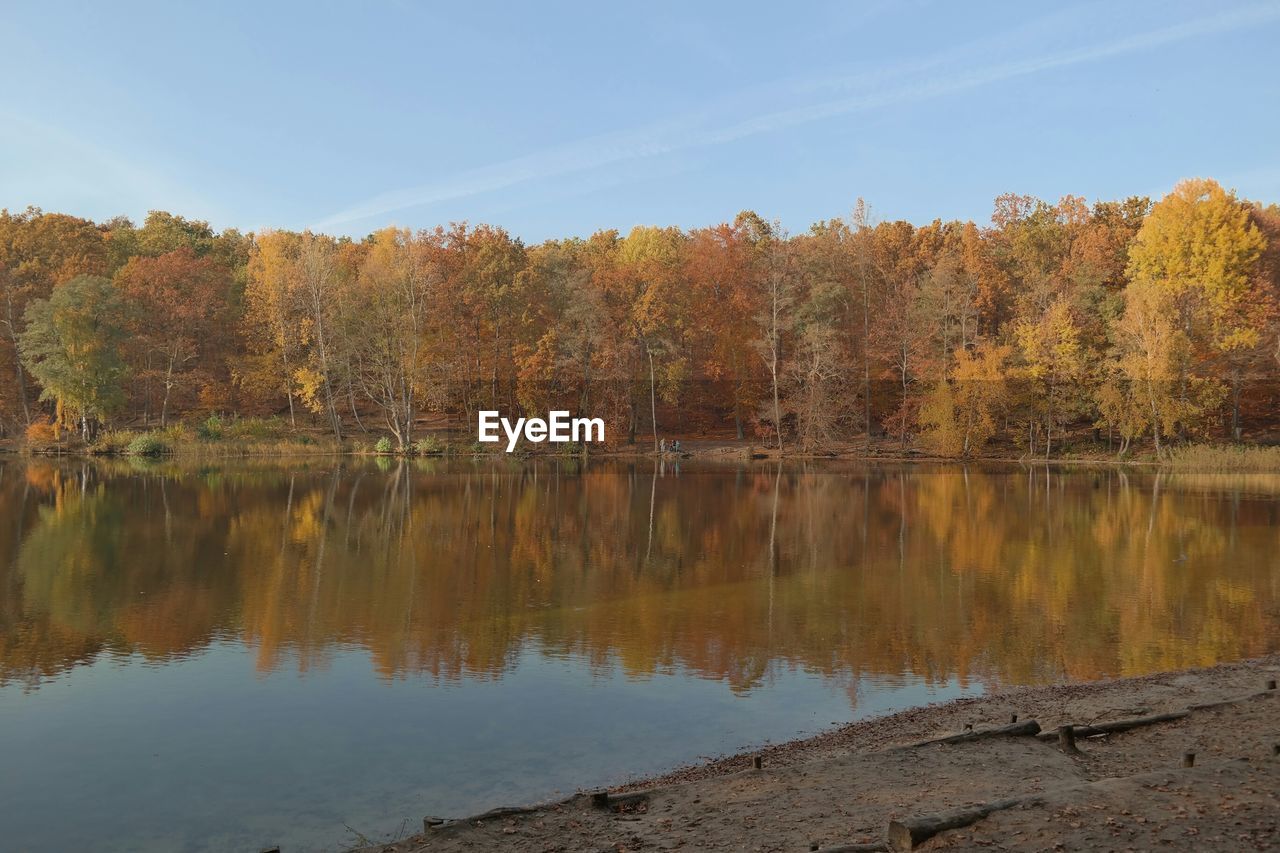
(1023, 729)
(501, 811)
(617, 801)
(1099, 729)
(909, 833)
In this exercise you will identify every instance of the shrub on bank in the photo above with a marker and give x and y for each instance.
(216, 436)
(174, 435)
(428, 446)
(220, 436)
(146, 444)
(112, 442)
(217, 428)
(42, 431)
(211, 429)
(383, 445)
(259, 429)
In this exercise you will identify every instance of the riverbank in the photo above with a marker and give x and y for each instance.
(891, 782)
(258, 438)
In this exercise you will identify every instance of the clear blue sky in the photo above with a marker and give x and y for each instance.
(557, 119)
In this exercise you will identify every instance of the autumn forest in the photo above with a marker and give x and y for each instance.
(1129, 325)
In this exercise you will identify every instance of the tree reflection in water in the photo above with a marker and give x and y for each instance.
(449, 570)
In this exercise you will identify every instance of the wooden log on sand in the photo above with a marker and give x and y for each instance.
(1026, 728)
(909, 833)
(1098, 729)
(605, 800)
(1079, 731)
(503, 811)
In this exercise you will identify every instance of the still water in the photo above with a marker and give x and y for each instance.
(226, 657)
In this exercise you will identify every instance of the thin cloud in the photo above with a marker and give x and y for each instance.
(116, 182)
(690, 132)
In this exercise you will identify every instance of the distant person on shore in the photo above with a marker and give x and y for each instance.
(662, 446)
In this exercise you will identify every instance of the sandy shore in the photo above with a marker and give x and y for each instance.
(874, 785)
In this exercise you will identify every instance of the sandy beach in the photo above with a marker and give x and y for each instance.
(975, 774)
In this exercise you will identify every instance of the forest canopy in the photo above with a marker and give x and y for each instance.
(1138, 321)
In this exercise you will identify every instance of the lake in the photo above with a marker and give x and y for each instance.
(308, 654)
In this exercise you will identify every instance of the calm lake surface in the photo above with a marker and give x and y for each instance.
(225, 657)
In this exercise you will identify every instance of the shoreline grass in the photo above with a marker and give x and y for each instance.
(1224, 458)
(217, 438)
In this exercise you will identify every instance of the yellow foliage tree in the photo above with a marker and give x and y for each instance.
(959, 416)
(1055, 363)
(1144, 386)
(1200, 249)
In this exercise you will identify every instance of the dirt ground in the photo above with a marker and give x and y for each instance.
(841, 790)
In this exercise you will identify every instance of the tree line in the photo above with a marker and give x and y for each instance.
(1138, 321)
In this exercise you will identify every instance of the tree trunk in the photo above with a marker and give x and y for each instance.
(737, 398)
(653, 401)
(22, 387)
(1048, 426)
(1235, 404)
(331, 406)
(866, 360)
(355, 413)
(17, 360)
(1155, 417)
(281, 327)
(775, 343)
(777, 408)
(902, 430)
(288, 390)
(168, 386)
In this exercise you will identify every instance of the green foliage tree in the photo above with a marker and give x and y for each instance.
(71, 345)
(38, 250)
